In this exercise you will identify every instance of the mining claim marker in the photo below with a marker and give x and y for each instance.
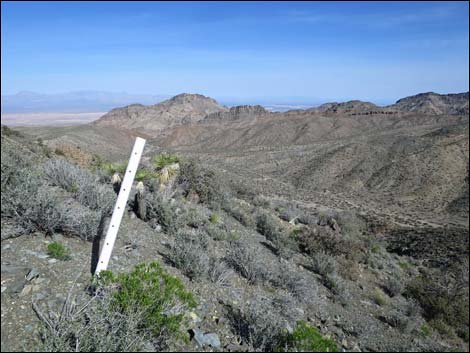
(120, 205)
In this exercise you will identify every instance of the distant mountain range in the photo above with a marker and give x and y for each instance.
(72, 102)
(193, 108)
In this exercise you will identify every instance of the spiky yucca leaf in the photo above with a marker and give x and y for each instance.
(164, 159)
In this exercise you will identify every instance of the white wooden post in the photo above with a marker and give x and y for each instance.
(120, 205)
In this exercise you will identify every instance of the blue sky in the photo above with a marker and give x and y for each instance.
(272, 51)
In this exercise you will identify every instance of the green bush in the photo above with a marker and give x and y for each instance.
(58, 251)
(164, 159)
(306, 338)
(161, 298)
(426, 330)
(214, 218)
(111, 168)
(142, 175)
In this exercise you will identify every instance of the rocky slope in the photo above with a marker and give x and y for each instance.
(181, 109)
(431, 103)
(403, 159)
(258, 266)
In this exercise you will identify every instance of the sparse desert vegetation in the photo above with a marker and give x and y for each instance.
(212, 258)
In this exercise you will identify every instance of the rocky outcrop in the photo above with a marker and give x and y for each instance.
(354, 107)
(241, 112)
(431, 103)
(182, 109)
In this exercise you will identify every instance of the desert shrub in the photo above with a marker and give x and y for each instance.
(84, 185)
(239, 188)
(307, 218)
(111, 168)
(379, 297)
(219, 273)
(94, 326)
(258, 323)
(319, 239)
(326, 266)
(58, 251)
(30, 203)
(188, 253)
(164, 159)
(214, 218)
(334, 283)
(218, 232)
(245, 261)
(12, 170)
(66, 175)
(268, 226)
(325, 217)
(35, 206)
(78, 220)
(204, 182)
(348, 269)
(393, 286)
(404, 265)
(261, 201)
(425, 330)
(306, 338)
(143, 175)
(161, 299)
(396, 319)
(163, 212)
(240, 213)
(288, 213)
(443, 295)
(289, 278)
(443, 328)
(97, 197)
(193, 217)
(351, 223)
(10, 132)
(323, 264)
(128, 312)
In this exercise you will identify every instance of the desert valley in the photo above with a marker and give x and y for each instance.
(345, 224)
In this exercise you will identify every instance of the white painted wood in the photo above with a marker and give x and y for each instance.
(120, 205)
